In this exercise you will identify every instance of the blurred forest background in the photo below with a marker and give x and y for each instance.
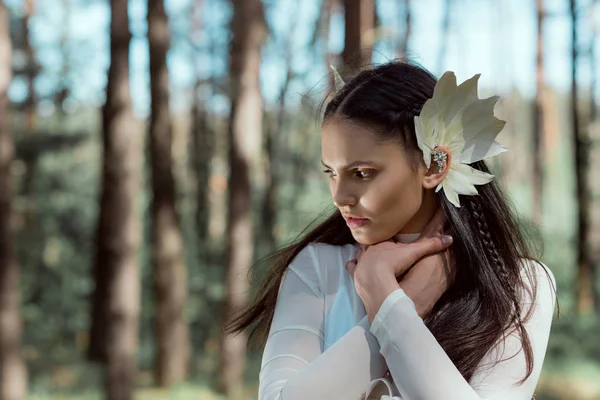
(151, 151)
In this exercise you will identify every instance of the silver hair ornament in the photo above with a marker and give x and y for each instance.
(439, 157)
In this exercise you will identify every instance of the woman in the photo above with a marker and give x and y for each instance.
(420, 285)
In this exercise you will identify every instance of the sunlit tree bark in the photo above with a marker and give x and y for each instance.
(538, 119)
(32, 68)
(445, 39)
(245, 132)
(116, 301)
(403, 48)
(170, 283)
(585, 273)
(202, 139)
(13, 381)
(359, 35)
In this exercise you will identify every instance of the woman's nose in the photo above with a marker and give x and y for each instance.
(342, 196)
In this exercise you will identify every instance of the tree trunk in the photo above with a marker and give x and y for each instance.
(32, 69)
(203, 147)
(170, 283)
(445, 36)
(593, 65)
(63, 88)
(117, 294)
(403, 49)
(269, 205)
(203, 139)
(593, 129)
(13, 380)
(244, 132)
(276, 129)
(585, 282)
(323, 28)
(358, 39)
(538, 120)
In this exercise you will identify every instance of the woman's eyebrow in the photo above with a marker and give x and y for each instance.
(355, 164)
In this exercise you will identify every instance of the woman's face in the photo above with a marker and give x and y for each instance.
(373, 181)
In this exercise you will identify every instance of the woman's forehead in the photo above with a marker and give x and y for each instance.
(346, 142)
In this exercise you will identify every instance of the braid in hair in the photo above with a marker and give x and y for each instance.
(492, 253)
(503, 273)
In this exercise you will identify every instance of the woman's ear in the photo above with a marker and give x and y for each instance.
(438, 168)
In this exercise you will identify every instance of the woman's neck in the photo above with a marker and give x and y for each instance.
(406, 237)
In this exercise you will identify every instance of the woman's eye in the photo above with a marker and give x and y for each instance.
(328, 172)
(363, 174)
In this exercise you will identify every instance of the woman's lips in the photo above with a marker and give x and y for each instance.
(356, 222)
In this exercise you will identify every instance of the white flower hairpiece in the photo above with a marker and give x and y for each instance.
(457, 122)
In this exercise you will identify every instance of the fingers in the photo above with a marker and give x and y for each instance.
(428, 246)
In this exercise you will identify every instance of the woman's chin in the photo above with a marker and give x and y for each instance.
(368, 240)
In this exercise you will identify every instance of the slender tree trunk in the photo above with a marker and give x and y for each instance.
(32, 69)
(594, 127)
(595, 10)
(117, 295)
(403, 50)
(445, 35)
(358, 39)
(269, 206)
(203, 147)
(170, 284)
(203, 144)
(273, 131)
(13, 380)
(63, 89)
(585, 291)
(538, 120)
(324, 24)
(245, 131)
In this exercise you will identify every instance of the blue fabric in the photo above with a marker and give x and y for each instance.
(345, 312)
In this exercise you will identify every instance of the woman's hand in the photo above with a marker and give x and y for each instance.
(429, 278)
(376, 268)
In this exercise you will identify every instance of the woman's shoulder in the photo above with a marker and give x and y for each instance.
(317, 260)
(537, 269)
(328, 251)
(538, 276)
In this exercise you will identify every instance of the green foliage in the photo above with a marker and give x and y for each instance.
(56, 206)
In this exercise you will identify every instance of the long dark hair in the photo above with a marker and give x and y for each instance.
(483, 304)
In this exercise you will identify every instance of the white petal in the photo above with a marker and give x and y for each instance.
(478, 115)
(480, 149)
(461, 179)
(473, 118)
(456, 144)
(465, 95)
(482, 130)
(460, 183)
(451, 195)
(474, 176)
(444, 89)
(424, 139)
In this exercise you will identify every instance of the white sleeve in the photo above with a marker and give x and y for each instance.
(422, 370)
(294, 365)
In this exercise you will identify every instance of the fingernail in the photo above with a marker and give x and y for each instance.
(447, 239)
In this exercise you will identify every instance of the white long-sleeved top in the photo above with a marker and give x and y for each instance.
(321, 344)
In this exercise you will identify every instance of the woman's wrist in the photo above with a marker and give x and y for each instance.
(374, 292)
